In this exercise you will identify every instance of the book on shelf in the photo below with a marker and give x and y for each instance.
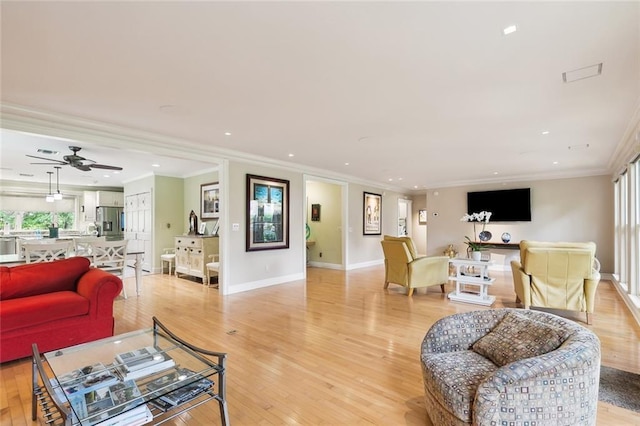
(178, 393)
(114, 404)
(142, 362)
(134, 417)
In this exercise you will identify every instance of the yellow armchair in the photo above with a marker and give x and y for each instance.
(557, 275)
(402, 266)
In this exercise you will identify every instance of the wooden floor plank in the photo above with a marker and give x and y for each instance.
(335, 348)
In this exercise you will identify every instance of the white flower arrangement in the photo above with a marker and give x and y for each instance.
(482, 217)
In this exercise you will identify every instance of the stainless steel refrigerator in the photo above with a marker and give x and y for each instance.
(110, 222)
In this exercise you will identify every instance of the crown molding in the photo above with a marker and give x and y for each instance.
(32, 120)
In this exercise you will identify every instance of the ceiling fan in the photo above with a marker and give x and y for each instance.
(74, 160)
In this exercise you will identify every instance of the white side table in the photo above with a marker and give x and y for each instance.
(471, 273)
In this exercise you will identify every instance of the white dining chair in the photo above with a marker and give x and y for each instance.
(213, 266)
(83, 244)
(39, 252)
(169, 256)
(110, 256)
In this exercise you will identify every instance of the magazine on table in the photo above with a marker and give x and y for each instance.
(76, 383)
(142, 362)
(177, 394)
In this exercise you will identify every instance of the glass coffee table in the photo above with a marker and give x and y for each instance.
(145, 376)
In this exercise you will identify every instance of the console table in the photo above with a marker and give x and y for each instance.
(505, 246)
(191, 366)
(472, 273)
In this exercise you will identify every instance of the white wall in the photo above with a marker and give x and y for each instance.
(578, 209)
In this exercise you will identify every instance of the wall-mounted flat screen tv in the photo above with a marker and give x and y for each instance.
(507, 205)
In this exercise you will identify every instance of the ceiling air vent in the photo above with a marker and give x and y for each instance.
(582, 73)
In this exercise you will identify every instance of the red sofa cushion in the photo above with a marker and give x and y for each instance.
(40, 309)
(41, 278)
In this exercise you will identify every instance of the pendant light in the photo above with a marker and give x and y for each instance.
(49, 197)
(57, 195)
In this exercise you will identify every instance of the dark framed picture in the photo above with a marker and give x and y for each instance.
(209, 201)
(267, 213)
(315, 212)
(422, 217)
(372, 211)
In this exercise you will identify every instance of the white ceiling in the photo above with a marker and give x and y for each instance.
(410, 94)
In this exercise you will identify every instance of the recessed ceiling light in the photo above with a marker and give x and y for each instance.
(509, 30)
(390, 179)
(107, 176)
(415, 186)
(227, 133)
(291, 155)
(155, 165)
(555, 162)
(399, 178)
(495, 173)
(546, 132)
(346, 164)
(116, 172)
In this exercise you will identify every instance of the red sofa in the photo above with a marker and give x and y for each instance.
(54, 304)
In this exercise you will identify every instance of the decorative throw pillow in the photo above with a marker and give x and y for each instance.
(518, 337)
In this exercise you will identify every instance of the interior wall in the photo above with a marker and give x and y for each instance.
(168, 214)
(255, 269)
(364, 250)
(327, 232)
(577, 209)
(418, 231)
(192, 192)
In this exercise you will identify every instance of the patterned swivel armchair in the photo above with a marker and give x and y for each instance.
(510, 367)
(402, 265)
(557, 276)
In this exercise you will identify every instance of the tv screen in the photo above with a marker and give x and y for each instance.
(507, 205)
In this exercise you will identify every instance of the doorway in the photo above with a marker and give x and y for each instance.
(325, 216)
(404, 217)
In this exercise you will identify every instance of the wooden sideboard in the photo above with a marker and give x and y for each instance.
(192, 254)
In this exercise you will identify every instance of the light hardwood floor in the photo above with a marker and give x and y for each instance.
(336, 349)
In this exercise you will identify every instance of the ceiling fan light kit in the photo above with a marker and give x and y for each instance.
(76, 161)
(57, 195)
(49, 198)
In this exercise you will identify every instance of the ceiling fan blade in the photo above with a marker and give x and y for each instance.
(47, 159)
(105, 167)
(82, 167)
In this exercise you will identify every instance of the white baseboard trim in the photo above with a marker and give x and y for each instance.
(335, 266)
(364, 264)
(238, 288)
(633, 308)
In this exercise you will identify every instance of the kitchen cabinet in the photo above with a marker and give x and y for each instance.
(192, 254)
(109, 199)
(89, 203)
(138, 226)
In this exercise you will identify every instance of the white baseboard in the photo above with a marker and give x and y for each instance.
(631, 305)
(335, 266)
(238, 288)
(364, 264)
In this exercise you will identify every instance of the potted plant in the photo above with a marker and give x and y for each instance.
(475, 248)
